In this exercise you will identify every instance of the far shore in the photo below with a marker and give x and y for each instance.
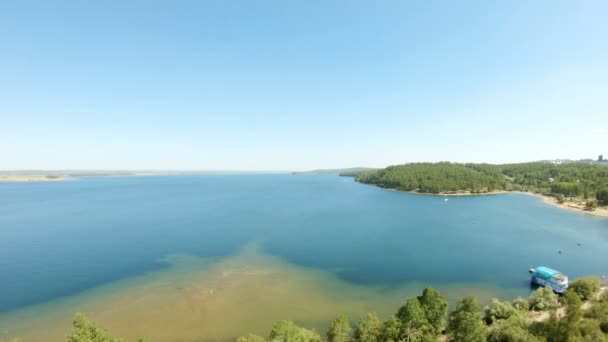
(567, 205)
(30, 178)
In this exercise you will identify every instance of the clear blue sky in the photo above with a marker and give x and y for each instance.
(282, 85)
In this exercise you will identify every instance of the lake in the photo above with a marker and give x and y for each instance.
(210, 257)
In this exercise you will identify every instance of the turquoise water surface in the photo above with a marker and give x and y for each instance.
(61, 238)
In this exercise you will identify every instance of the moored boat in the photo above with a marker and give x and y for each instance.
(547, 277)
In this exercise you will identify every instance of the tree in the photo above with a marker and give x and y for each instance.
(599, 312)
(435, 308)
(566, 329)
(391, 330)
(602, 196)
(465, 324)
(498, 310)
(585, 287)
(414, 323)
(590, 330)
(513, 329)
(251, 338)
(339, 330)
(543, 299)
(368, 329)
(288, 331)
(83, 330)
(574, 313)
(591, 204)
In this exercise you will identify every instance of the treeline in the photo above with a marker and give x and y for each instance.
(585, 180)
(435, 178)
(542, 317)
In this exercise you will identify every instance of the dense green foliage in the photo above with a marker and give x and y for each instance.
(602, 195)
(435, 308)
(587, 180)
(86, 331)
(586, 287)
(368, 329)
(287, 331)
(543, 299)
(434, 178)
(498, 310)
(251, 338)
(339, 330)
(465, 324)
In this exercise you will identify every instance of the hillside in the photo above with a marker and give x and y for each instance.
(586, 181)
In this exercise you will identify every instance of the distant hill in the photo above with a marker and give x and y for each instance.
(575, 179)
(348, 172)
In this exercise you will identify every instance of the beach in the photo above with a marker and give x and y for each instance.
(572, 206)
(568, 205)
(30, 178)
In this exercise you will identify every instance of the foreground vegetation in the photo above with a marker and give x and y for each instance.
(588, 181)
(581, 314)
(426, 318)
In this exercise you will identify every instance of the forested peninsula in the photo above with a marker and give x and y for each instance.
(583, 183)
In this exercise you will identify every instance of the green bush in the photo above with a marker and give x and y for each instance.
(585, 287)
(251, 338)
(602, 196)
(591, 204)
(368, 329)
(339, 330)
(521, 304)
(498, 310)
(288, 331)
(84, 330)
(513, 329)
(465, 324)
(543, 299)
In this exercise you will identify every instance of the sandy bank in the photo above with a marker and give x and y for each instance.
(450, 194)
(29, 178)
(569, 205)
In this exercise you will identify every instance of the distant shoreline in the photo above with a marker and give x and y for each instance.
(451, 194)
(29, 178)
(568, 205)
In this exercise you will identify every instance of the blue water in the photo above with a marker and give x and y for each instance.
(59, 238)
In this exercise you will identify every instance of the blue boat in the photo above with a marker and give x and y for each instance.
(547, 277)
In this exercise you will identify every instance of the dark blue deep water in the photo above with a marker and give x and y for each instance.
(59, 238)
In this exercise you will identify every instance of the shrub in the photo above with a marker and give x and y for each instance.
(498, 310)
(591, 204)
(585, 287)
(251, 338)
(543, 299)
(288, 331)
(521, 304)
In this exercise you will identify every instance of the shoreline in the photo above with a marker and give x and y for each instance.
(29, 178)
(568, 205)
(552, 201)
(446, 194)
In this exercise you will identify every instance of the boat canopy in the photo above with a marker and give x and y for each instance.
(545, 272)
